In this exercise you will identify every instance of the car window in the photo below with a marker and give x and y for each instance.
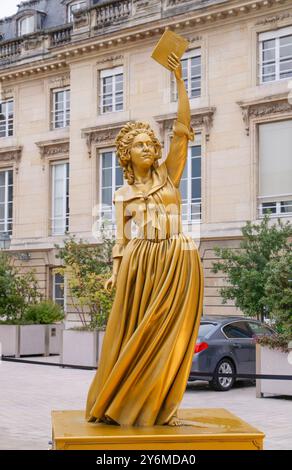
(237, 329)
(205, 329)
(259, 329)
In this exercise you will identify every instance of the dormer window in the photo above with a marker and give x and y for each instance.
(26, 25)
(73, 7)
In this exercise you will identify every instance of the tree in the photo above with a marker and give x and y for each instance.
(18, 290)
(87, 268)
(247, 269)
(278, 290)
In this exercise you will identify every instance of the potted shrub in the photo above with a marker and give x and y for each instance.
(25, 320)
(86, 268)
(17, 291)
(273, 352)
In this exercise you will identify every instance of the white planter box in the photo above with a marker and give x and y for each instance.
(81, 348)
(29, 340)
(9, 338)
(53, 339)
(272, 362)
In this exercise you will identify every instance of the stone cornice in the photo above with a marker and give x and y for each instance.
(52, 149)
(200, 118)
(103, 39)
(11, 155)
(101, 136)
(262, 107)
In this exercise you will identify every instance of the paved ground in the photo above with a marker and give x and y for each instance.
(28, 393)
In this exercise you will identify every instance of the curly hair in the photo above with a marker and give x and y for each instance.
(124, 143)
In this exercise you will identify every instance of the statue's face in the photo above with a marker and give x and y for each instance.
(143, 151)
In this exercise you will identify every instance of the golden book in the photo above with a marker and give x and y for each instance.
(168, 43)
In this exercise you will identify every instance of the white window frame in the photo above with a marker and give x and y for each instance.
(196, 52)
(278, 203)
(113, 72)
(275, 201)
(276, 35)
(65, 215)
(7, 121)
(70, 12)
(26, 19)
(66, 110)
(54, 290)
(6, 202)
(114, 165)
(189, 202)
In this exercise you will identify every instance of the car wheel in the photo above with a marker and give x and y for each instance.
(223, 384)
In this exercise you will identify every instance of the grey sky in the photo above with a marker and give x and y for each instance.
(8, 7)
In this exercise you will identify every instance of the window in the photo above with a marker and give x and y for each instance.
(275, 55)
(26, 25)
(6, 201)
(59, 289)
(61, 108)
(111, 179)
(111, 94)
(205, 329)
(190, 185)
(76, 6)
(191, 71)
(258, 329)
(275, 168)
(6, 118)
(237, 330)
(60, 198)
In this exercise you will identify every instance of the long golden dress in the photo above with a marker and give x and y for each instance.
(152, 328)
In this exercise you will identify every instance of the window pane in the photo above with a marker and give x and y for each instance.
(184, 189)
(269, 69)
(10, 177)
(269, 55)
(107, 160)
(286, 40)
(119, 176)
(286, 65)
(196, 151)
(107, 196)
(269, 44)
(286, 207)
(2, 178)
(196, 167)
(286, 51)
(269, 208)
(259, 329)
(275, 162)
(196, 188)
(107, 177)
(237, 330)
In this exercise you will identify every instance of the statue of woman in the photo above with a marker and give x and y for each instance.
(153, 325)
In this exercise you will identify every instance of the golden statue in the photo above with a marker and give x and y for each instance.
(152, 328)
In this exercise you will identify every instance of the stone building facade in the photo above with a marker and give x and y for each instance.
(73, 72)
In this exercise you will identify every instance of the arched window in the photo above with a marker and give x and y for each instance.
(26, 25)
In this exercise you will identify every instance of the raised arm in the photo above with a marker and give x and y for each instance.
(182, 131)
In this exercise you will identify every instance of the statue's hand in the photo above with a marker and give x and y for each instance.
(111, 283)
(175, 65)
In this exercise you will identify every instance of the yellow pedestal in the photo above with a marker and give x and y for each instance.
(213, 429)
